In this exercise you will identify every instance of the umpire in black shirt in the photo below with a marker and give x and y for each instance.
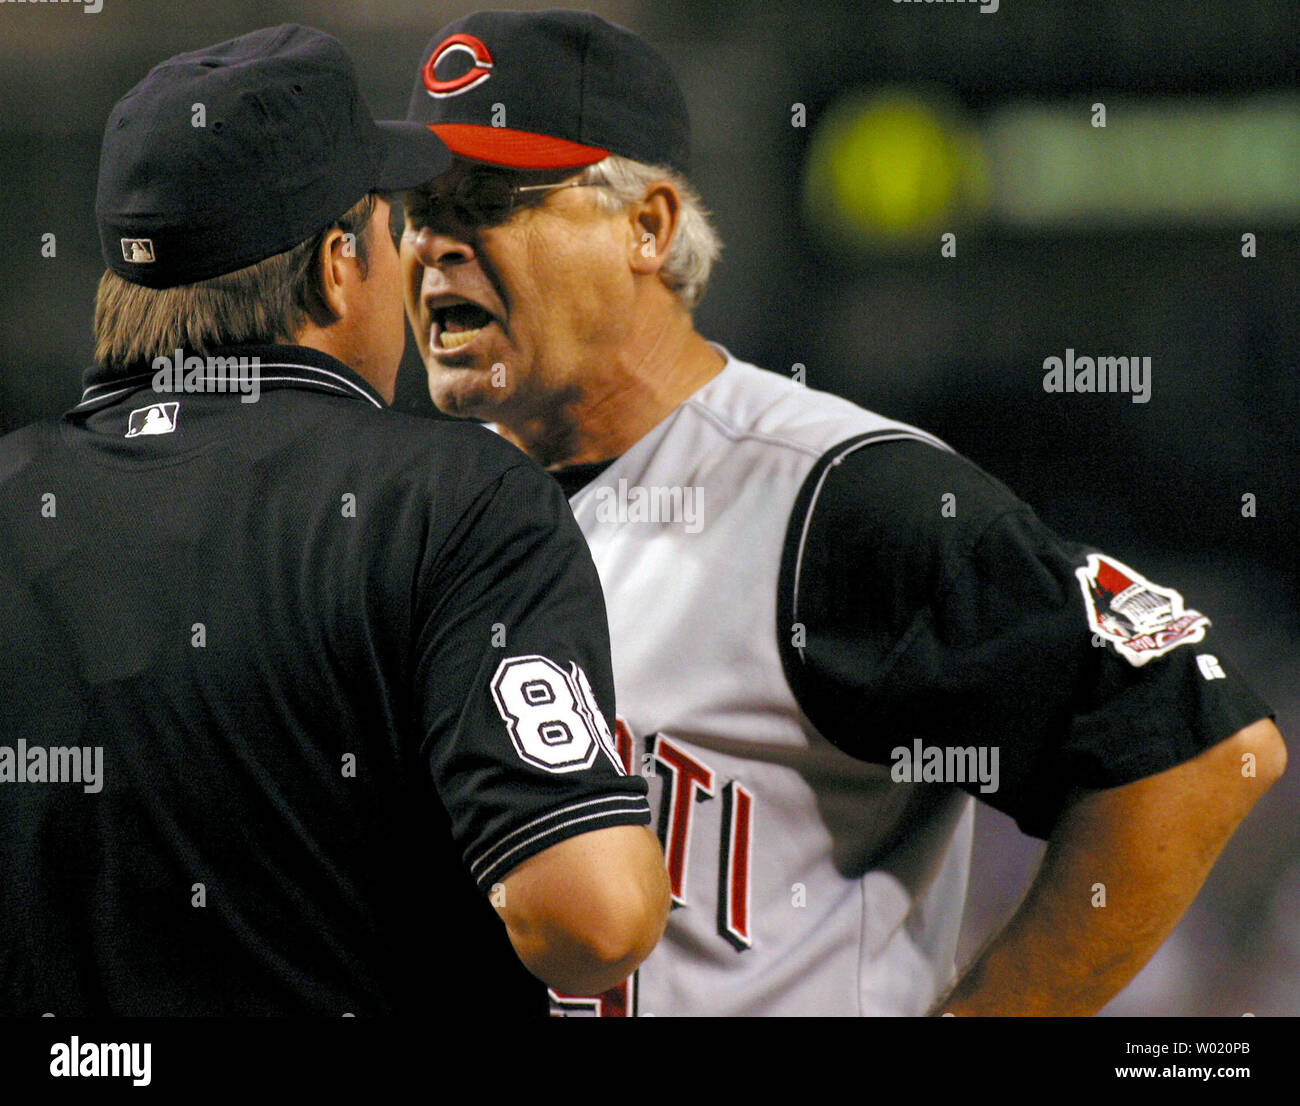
(294, 690)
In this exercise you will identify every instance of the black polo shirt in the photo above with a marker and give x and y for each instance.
(287, 687)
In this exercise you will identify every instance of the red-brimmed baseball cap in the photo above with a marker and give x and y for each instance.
(549, 90)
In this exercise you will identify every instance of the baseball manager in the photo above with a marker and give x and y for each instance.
(816, 665)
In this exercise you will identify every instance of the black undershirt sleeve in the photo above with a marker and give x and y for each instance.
(920, 600)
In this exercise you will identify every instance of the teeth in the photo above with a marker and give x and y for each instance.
(454, 339)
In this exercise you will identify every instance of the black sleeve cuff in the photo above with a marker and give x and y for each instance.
(508, 852)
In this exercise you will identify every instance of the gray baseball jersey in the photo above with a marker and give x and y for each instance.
(784, 581)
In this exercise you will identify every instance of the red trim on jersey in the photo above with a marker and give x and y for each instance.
(690, 780)
(733, 886)
(617, 1002)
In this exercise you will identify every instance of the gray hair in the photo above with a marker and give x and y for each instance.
(695, 246)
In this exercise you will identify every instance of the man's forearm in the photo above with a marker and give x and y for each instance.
(1121, 868)
(583, 914)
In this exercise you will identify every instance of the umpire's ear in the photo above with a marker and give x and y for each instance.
(654, 220)
(341, 272)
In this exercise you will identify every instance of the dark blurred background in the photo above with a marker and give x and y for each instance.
(836, 143)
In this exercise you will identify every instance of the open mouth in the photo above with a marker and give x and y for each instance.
(457, 325)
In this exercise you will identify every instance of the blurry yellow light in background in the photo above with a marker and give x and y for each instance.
(892, 169)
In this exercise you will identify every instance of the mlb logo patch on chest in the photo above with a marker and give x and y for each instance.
(1141, 619)
(157, 418)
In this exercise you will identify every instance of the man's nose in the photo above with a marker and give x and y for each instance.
(439, 248)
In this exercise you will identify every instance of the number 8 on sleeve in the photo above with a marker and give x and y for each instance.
(551, 715)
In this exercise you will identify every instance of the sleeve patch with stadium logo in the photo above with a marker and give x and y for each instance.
(1141, 619)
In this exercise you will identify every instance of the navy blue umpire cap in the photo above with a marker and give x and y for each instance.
(225, 156)
(571, 87)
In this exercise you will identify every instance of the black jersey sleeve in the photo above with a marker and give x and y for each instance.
(921, 601)
(515, 689)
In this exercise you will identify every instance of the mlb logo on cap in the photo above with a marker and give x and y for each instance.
(157, 418)
(139, 251)
(288, 147)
